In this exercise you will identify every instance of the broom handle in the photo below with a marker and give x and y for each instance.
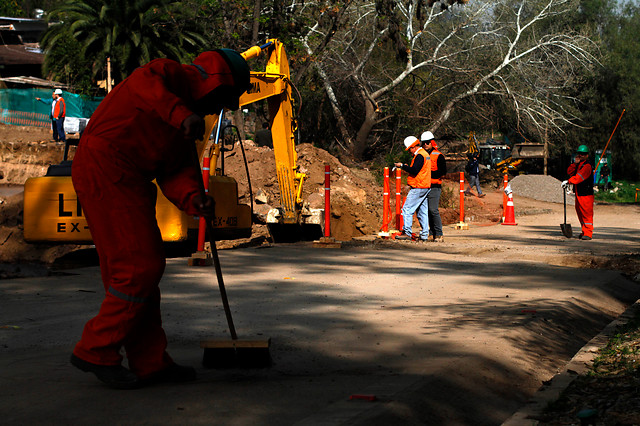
(223, 292)
(214, 250)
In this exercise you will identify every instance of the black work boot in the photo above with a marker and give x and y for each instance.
(114, 376)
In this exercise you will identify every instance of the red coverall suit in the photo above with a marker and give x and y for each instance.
(133, 137)
(581, 176)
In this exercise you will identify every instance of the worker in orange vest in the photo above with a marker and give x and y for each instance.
(581, 177)
(57, 115)
(144, 129)
(438, 170)
(419, 181)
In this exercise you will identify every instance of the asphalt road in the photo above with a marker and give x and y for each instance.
(460, 333)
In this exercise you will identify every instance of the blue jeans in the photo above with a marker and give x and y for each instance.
(58, 130)
(435, 222)
(474, 180)
(416, 201)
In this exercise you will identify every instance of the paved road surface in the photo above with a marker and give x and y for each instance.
(458, 333)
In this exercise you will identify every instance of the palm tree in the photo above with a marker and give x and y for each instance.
(130, 32)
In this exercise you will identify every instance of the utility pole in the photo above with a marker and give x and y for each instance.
(108, 74)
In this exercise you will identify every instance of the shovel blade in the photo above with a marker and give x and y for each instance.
(566, 230)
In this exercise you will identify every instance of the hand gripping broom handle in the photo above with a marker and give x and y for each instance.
(214, 250)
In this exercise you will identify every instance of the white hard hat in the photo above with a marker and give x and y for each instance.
(410, 141)
(426, 136)
(58, 91)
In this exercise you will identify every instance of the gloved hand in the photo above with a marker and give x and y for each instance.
(565, 184)
(193, 127)
(205, 205)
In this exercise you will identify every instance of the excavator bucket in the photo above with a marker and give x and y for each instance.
(309, 228)
(528, 150)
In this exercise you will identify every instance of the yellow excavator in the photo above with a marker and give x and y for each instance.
(502, 157)
(52, 212)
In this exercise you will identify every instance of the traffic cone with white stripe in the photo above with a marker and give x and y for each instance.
(509, 214)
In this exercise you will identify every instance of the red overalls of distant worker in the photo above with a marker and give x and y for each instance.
(581, 176)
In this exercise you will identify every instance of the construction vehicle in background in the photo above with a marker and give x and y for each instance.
(52, 213)
(503, 157)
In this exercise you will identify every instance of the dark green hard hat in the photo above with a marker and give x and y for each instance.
(582, 149)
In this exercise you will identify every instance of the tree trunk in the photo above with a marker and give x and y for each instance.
(238, 120)
(256, 22)
(360, 144)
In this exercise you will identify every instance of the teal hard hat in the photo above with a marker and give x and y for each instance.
(582, 149)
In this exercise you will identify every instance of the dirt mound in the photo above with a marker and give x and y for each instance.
(356, 197)
(539, 187)
(356, 194)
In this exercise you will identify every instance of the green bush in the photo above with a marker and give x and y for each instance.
(620, 192)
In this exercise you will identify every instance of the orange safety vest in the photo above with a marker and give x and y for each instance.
(56, 109)
(423, 178)
(434, 165)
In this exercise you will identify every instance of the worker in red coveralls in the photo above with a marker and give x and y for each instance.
(144, 129)
(581, 177)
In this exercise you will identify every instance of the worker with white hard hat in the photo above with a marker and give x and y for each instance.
(419, 181)
(438, 170)
(57, 115)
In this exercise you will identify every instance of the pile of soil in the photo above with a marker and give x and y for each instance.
(356, 193)
(540, 187)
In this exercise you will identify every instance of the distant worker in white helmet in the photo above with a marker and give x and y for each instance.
(438, 170)
(419, 181)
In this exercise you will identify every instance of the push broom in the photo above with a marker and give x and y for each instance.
(234, 353)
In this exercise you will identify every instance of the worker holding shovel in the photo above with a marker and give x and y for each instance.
(581, 177)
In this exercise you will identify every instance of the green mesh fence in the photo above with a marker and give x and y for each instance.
(20, 107)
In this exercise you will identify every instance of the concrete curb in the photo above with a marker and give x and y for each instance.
(579, 364)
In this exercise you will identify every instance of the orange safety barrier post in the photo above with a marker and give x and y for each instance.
(637, 189)
(386, 205)
(385, 201)
(327, 241)
(504, 195)
(399, 221)
(202, 257)
(327, 201)
(509, 215)
(462, 224)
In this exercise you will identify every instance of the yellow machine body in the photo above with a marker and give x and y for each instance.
(52, 212)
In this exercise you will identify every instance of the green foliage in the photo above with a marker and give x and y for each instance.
(615, 87)
(131, 33)
(67, 64)
(620, 192)
(11, 8)
(621, 352)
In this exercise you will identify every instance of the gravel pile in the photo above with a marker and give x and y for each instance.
(539, 187)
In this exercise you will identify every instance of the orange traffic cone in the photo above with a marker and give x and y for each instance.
(510, 215)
